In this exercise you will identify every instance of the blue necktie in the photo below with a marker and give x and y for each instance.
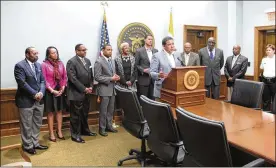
(34, 71)
(110, 65)
(211, 54)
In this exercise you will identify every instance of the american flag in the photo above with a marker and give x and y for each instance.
(104, 34)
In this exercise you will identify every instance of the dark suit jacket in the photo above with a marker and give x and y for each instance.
(27, 85)
(142, 62)
(238, 71)
(193, 59)
(212, 70)
(79, 78)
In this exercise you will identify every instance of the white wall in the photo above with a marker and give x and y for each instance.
(253, 15)
(64, 24)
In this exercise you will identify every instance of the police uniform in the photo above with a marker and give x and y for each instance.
(268, 77)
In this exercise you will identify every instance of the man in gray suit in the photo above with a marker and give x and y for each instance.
(162, 63)
(80, 85)
(189, 58)
(235, 68)
(105, 74)
(143, 57)
(212, 58)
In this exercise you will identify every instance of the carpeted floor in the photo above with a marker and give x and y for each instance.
(97, 151)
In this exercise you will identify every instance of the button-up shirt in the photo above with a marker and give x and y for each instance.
(149, 52)
(268, 65)
(213, 51)
(235, 57)
(171, 59)
(187, 56)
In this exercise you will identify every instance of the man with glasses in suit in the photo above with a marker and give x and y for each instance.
(80, 85)
(29, 99)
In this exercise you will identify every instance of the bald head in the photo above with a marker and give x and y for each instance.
(236, 50)
(187, 47)
(211, 43)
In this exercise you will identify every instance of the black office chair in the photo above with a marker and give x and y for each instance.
(206, 142)
(273, 110)
(164, 139)
(247, 93)
(134, 122)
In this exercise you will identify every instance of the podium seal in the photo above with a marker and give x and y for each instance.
(191, 80)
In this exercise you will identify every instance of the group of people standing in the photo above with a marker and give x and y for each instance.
(51, 87)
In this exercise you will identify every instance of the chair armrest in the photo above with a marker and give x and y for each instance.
(257, 108)
(256, 163)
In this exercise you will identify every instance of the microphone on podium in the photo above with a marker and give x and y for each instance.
(181, 61)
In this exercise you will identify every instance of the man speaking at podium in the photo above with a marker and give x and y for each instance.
(162, 63)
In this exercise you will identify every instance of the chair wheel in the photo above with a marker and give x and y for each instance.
(120, 163)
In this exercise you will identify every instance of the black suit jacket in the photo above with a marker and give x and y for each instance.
(142, 62)
(79, 78)
(238, 71)
(27, 85)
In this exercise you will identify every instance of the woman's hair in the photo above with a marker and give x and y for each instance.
(48, 52)
(271, 46)
(122, 46)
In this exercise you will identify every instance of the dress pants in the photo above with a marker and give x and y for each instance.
(268, 95)
(230, 91)
(106, 112)
(79, 117)
(212, 90)
(30, 123)
(146, 90)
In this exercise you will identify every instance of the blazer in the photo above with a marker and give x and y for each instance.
(238, 71)
(193, 59)
(212, 71)
(79, 78)
(142, 62)
(160, 60)
(103, 75)
(27, 85)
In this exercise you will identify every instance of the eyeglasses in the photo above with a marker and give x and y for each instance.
(83, 50)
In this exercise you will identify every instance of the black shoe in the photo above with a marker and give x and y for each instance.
(111, 130)
(102, 132)
(30, 151)
(78, 140)
(90, 134)
(41, 147)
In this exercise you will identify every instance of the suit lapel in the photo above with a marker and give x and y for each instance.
(207, 54)
(105, 64)
(84, 67)
(167, 59)
(146, 54)
(191, 57)
(235, 62)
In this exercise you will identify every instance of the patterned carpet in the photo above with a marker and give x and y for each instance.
(97, 151)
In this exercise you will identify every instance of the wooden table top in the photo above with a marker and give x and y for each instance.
(251, 130)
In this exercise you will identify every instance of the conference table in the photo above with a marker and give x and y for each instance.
(250, 130)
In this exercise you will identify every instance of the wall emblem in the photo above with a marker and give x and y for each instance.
(191, 80)
(134, 34)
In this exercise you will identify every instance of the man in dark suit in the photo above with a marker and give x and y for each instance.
(29, 99)
(80, 85)
(235, 68)
(189, 58)
(105, 74)
(214, 60)
(143, 55)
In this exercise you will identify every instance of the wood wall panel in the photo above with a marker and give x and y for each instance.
(10, 115)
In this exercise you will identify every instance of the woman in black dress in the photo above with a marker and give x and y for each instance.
(125, 67)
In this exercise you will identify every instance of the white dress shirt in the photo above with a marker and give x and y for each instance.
(187, 56)
(234, 60)
(171, 59)
(149, 52)
(268, 65)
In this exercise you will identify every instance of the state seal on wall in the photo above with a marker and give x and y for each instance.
(134, 34)
(191, 80)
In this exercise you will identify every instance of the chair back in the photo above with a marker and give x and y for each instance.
(133, 119)
(247, 93)
(205, 141)
(164, 140)
(274, 105)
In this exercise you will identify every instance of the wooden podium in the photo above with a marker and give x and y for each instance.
(184, 86)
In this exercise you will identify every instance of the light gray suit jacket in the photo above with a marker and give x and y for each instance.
(103, 75)
(213, 66)
(160, 60)
(193, 59)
